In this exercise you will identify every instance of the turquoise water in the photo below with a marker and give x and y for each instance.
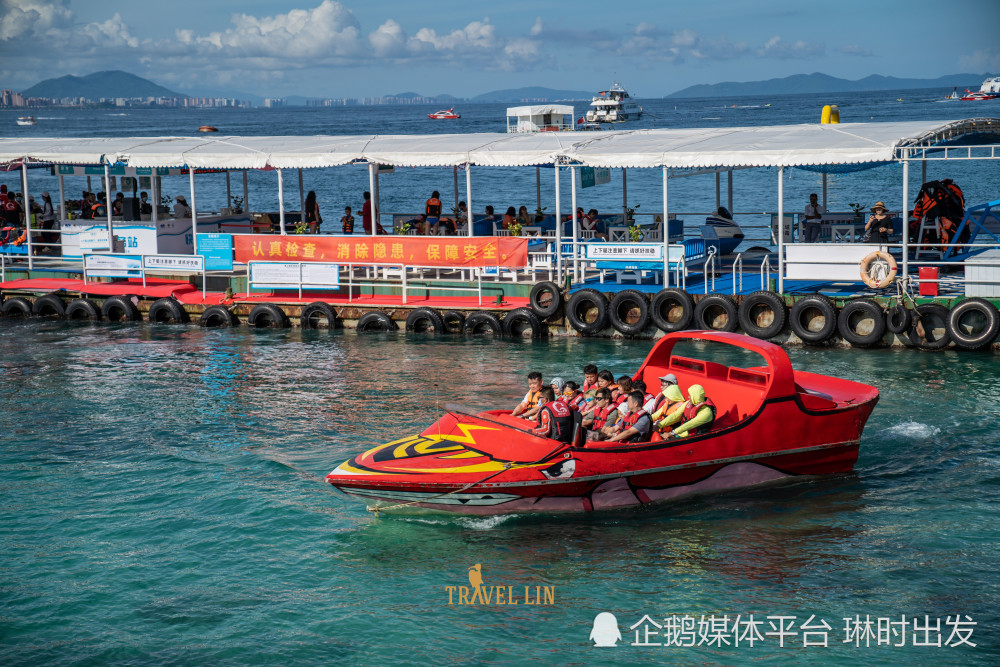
(163, 503)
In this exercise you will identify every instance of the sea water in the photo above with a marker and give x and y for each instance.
(164, 503)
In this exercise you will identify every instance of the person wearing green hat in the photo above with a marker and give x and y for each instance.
(673, 401)
(696, 417)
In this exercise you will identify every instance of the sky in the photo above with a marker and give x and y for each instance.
(323, 48)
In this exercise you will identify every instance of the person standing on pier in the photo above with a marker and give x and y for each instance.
(813, 215)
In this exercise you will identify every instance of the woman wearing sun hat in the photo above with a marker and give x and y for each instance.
(879, 224)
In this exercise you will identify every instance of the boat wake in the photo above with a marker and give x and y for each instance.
(911, 429)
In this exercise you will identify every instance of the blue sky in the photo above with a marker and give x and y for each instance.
(322, 48)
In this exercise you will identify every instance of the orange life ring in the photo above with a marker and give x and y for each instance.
(878, 269)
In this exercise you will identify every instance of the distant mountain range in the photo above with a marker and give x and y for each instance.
(113, 83)
(824, 83)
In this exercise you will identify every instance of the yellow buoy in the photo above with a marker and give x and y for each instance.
(831, 114)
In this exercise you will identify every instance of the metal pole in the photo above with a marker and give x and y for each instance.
(302, 200)
(246, 193)
(377, 194)
(666, 233)
(558, 230)
(538, 187)
(229, 194)
(576, 229)
(824, 192)
(905, 214)
(27, 210)
(781, 230)
(730, 183)
(454, 179)
(624, 196)
(718, 196)
(468, 195)
(63, 213)
(107, 207)
(923, 172)
(155, 188)
(371, 189)
(194, 211)
(281, 203)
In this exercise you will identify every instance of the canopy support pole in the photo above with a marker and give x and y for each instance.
(454, 178)
(905, 214)
(923, 172)
(730, 183)
(246, 194)
(371, 190)
(194, 212)
(377, 197)
(824, 192)
(666, 232)
(718, 191)
(469, 216)
(624, 197)
(302, 200)
(576, 229)
(27, 210)
(63, 214)
(281, 203)
(155, 187)
(229, 192)
(558, 230)
(107, 207)
(538, 188)
(781, 230)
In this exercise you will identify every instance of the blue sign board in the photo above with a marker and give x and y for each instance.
(217, 249)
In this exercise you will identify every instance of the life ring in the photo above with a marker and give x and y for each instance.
(973, 323)
(483, 324)
(545, 299)
(861, 323)
(83, 309)
(167, 311)
(587, 311)
(763, 315)
(716, 312)
(319, 315)
(878, 269)
(120, 308)
(425, 320)
(523, 323)
(218, 317)
(672, 309)
(629, 312)
(267, 316)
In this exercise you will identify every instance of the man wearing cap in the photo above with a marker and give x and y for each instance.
(813, 215)
(879, 224)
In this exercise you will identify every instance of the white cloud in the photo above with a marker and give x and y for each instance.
(776, 47)
(855, 50)
(537, 28)
(983, 60)
(32, 18)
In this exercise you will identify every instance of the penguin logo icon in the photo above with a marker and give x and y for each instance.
(605, 631)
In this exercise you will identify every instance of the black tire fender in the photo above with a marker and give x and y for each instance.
(763, 314)
(49, 306)
(167, 311)
(83, 310)
(218, 317)
(716, 312)
(861, 323)
(587, 311)
(120, 309)
(424, 320)
(319, 315)
(813, 318)
(520, 321)
(897, 319)
(672, 309)
(483, 324)
(16, 306)
(929, 327)
(545, 299)
(629, 312)
(453, 321)
(376, 320)
(973, 323)
(267, 316)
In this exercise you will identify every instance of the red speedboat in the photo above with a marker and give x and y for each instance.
(445, 113)
(977, 96)
(772, 422)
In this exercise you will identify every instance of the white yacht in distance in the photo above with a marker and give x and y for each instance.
(613, 106)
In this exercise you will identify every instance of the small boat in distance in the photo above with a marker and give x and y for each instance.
(613, 106)
(988, 91)
(26, 120)
(954, 94)
(208, 128)
(977, 96)
(444, 113)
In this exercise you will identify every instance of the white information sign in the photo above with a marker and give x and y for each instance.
(627, 252)
(313, 275)
(113, 266)
(95, 239)
(179, 262)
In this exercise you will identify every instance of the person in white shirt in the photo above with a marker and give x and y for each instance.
(181, 208)
(813, 216)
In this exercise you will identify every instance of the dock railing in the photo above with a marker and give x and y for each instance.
(110, 265)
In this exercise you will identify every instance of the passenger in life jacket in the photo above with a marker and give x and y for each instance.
(673, 401)
(555, 419)
(648, 400)
(572, 397)
(619, 396)
(557, 385)
(529, 406)
(697, 416)
(600, 414)
(636, 426)
(432, 209)
(665, 381)
(589, 378)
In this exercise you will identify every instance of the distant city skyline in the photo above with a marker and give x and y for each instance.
(325, 49)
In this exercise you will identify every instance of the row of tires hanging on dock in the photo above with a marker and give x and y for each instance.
(972, 323)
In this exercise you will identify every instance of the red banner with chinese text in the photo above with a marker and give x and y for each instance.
(444, 251)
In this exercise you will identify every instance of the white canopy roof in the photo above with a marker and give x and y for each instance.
(768, 146)
(540, 110)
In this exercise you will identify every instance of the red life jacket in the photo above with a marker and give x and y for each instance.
(691, 411)
(647, 398)
(601, 417)
(575, 402)
(560, 419)
(587, 386)
(629, 420)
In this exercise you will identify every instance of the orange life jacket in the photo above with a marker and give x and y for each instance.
(433, 209)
